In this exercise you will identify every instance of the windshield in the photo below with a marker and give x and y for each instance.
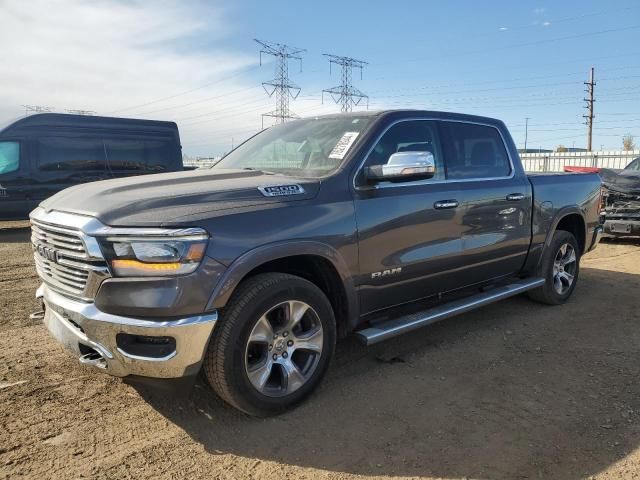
(313, 147)
(9, 157)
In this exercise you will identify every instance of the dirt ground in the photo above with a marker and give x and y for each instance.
(514, 390)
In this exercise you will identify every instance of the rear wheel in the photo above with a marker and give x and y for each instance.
(273, 344)
(560, 267)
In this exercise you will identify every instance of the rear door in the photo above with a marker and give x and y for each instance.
(494, 200)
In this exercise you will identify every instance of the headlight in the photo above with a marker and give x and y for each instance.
(152, 256)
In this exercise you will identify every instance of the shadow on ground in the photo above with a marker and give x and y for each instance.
(15, 235)
(515, 390)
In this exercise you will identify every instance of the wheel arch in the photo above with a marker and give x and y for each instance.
(317, 262)
(570, 219)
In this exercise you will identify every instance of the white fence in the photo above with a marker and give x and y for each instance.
(532, 162)
(200, 162)
(556, 161)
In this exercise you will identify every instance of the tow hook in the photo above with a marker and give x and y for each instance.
(37, 316)
(93, 359)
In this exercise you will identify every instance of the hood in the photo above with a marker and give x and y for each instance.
(625, 181)
(174, 198)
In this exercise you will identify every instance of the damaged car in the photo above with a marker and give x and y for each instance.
(622, 200)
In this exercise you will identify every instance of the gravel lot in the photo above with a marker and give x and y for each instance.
(515, 390)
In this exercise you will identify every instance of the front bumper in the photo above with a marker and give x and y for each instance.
(90, 334)
(622, 227)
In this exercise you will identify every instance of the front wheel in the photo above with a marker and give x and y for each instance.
(273, 344)
(560, 267)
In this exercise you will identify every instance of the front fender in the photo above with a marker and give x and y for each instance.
(244, 264)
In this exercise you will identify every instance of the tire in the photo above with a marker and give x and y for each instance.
(561, 278)
(264, 371)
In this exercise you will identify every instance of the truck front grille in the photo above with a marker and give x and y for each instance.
(62, 261)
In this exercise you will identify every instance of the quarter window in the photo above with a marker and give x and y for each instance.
(111, 154)
(61, 153)
(474, 151)
(140, 155)
(9, 157)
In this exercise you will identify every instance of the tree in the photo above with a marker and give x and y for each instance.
(561, 148)
(628, 143)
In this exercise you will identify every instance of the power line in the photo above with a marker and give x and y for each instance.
(280, 87)
(345, 94)
(162, 99)
(590, 100)
(203, 100)
(515, 45)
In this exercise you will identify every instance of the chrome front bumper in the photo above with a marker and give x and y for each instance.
(90, 334)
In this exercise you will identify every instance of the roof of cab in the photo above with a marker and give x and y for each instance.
(85, 121)
(415, 112)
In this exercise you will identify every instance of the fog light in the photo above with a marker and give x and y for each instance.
(145, 345)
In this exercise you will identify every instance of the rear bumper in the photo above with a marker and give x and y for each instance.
(91, 335)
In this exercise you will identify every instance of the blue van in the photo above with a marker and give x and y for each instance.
(45, 153)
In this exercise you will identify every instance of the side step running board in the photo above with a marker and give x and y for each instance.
(397, 326)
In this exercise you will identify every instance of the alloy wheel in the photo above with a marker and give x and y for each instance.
(284, 348)
(564, 268)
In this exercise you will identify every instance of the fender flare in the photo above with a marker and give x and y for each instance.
(553, 225)
(239, 268)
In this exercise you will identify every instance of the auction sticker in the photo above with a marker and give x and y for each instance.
(343, 145)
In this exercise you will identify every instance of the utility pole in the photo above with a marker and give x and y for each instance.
(28, 109)
(280, 87)
(590, 100)
(526, 133)
(346, 94)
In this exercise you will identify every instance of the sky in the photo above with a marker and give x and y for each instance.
(196, 62)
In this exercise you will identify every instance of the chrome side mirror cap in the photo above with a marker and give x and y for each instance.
(404, 167)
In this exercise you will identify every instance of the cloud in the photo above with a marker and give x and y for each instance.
(109, 55)
(503, 29)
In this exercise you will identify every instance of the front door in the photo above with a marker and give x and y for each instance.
(410, 238)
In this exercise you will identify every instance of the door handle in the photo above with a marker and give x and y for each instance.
(442, 204)
(515, 197)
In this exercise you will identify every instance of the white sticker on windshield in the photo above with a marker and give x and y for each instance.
(343, 145)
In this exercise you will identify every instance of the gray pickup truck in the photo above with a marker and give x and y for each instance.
(372, 224)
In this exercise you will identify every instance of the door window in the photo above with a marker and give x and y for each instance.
(9, 157)
(409, 136)
(474, 151)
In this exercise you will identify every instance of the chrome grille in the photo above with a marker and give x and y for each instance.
(62, 261)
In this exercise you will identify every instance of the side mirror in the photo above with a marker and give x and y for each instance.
(404, 167)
